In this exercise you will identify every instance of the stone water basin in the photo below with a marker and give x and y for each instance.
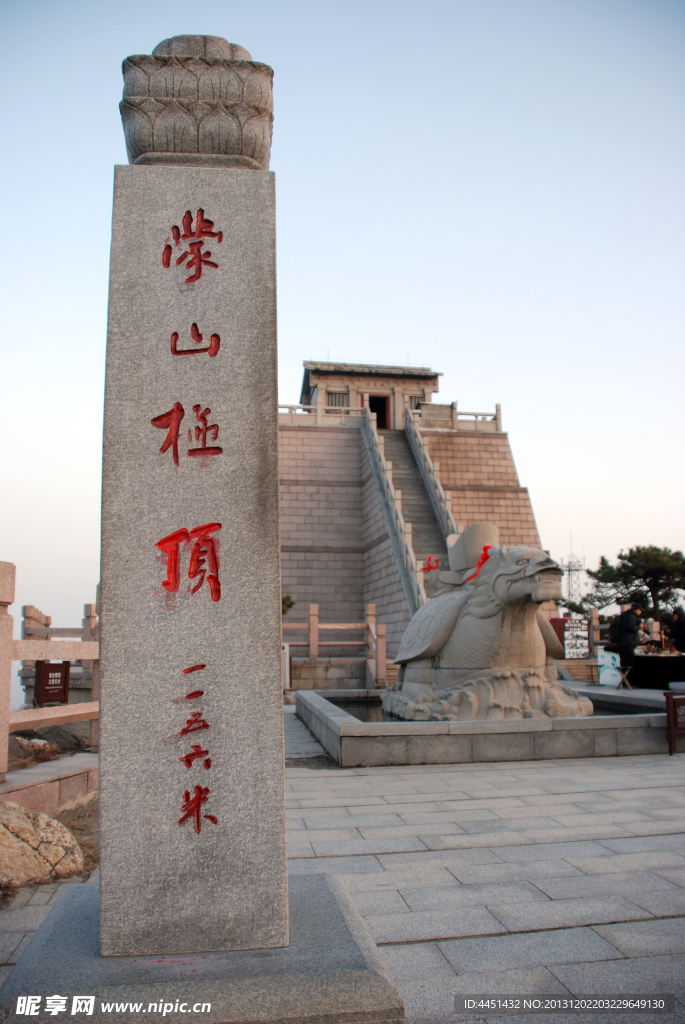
(616, 730)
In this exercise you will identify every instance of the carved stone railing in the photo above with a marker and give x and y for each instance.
(400, 532)
(326, 415)
(437, 496)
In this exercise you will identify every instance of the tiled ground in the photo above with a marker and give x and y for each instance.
(22, 916)
(536, 877)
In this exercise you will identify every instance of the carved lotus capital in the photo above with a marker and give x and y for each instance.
(199, 100)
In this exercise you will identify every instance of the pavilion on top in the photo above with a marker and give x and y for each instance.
(373, 478)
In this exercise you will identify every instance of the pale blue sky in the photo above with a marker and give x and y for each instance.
(493, 188)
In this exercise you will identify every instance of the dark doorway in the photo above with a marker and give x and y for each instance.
(380, 405)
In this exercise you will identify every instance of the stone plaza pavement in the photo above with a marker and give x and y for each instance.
(551, 877)
(542, 877)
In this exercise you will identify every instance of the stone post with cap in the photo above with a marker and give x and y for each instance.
(195, 907)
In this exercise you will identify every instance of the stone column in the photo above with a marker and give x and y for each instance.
(191, 731)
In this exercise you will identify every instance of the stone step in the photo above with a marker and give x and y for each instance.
(427, 538)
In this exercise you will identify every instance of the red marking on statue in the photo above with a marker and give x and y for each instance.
(170, 421)
(207, 764)
(204, 556)
(431, 564)
(193, 668)
(196, 723)
(211, 349)
(192, 807)
(166, 256)
(193, 754)
(201, 433)
(483, 559)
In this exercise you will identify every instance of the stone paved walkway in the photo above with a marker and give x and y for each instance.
(550, 877)
(524, 878)
(299, 742)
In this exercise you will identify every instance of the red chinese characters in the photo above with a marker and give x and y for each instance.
(194, 753)
(204, 556)
(201, 433)
(192, 807)
(211, 349)
(193, 258)
(196, 723)
(171, 421)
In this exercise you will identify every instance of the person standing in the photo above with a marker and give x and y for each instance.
(630, 638)
(676, 632)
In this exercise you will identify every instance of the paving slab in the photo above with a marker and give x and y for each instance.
(408, 844)
(28, 919)
(440, 858)
(568, 913)
(417, 960)
(552, 851)
(352, 820)
(675, 875)
(513, 871)
(627, 861)
(380, 903)
(632, 884)
(646, 844)
(664, 903)
(334, 866)
(654, 975)
(514, 981)
(9, 941)
(444, 898)
(432, 877)
(431, 926)
(648, 938)
(572, 945)
(427, 830)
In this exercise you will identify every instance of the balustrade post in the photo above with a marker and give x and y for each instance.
(381, 675)
(7, 578)
(313, 631)
(370, 623)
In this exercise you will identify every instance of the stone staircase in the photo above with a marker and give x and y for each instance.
(427, 538)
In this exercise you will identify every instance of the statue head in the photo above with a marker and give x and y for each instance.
(516, 575)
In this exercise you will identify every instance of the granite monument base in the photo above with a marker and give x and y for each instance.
(330, 972)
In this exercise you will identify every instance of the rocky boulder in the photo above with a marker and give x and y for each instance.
(35, 848)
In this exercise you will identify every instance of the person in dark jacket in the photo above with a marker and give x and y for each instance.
(630, 638)
(676, 632)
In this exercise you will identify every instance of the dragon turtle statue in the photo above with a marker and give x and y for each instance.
(480, 648)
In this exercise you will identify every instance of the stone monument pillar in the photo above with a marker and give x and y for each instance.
(191, 731)
(192, 802)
